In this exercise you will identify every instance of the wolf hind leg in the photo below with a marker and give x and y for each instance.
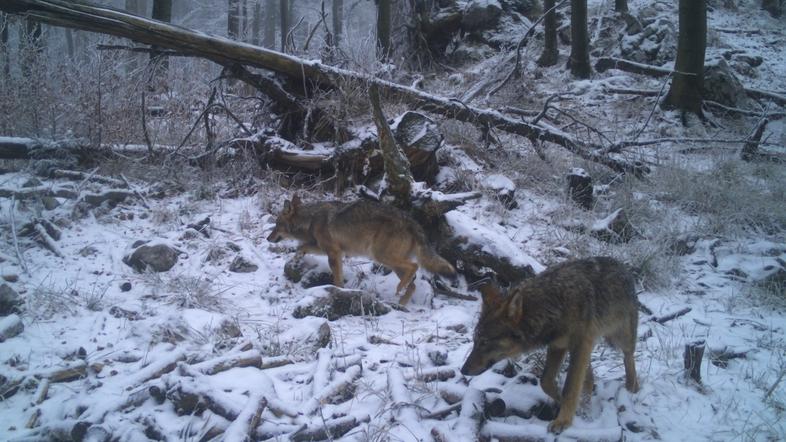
(625, 341)
(406, 272)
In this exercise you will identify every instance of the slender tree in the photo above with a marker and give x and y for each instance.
(271, 10)
(338, 21)
(621, 6)
(233, 19)
(550, 51)
(256, 23)
(283, 14)
(162, 11)
(32, 45)
(4, 52)
(384, 13)
(685, 92)
(579, 40)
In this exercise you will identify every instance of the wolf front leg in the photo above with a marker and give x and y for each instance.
(336, 266)
(548, 380)
(579, 361)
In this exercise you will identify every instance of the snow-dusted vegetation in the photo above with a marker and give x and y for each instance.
(143, 296)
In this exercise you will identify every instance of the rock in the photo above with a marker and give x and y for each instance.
(10, 326)
(614, 228)
(241, 264)
(50, 202)
(481, 15)
(11, 277)
(504, 189)
(32, 182)
(775, 282)
(229, 329)
(684, 245)
(774, 7)
(721, 85)
(295, 268)
(9, 300)
(333, 303)
(88, 251)
(323, 336)
(119, 312)
(157, 258)
(527, 8)
(138, 243)
(580, 188)
(655, 44)
(316, 278)
(125, 287)
(307, 273)
(189, 234)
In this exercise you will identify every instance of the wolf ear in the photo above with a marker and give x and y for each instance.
(491, 294)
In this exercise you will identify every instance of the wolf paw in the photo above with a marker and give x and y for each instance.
(559, 425)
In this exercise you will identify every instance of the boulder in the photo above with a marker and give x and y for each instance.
(157, 257)
(9, 300)
(333, 303)
(655, 44)
(504, 189)
(481, 15)
(420, 138)
(242, 264)
(10, 326)
(615, 228)
(721, 85)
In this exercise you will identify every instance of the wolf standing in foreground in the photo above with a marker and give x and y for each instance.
(362, 228)
(566, 308)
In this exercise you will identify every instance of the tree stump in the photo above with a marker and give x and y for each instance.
(694, 352)
(580, 188)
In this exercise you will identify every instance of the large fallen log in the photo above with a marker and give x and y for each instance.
(226, 52)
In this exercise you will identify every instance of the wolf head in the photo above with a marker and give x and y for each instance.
(497, 335)
(285, 221)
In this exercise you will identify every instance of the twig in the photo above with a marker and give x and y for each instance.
(314, 30)
(775, 385)
(670, 316)
(546, 106)
(654, 106)
(19, 254)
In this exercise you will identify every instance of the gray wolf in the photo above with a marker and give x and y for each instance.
(565, 308)
(362, 228)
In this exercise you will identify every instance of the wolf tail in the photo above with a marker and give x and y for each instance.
(432, 262)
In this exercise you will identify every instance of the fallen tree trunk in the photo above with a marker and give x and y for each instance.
(228, 53)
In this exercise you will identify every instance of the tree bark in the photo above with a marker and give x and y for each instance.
(271, 9)
(621, 6)
(162, 11)
(233, 19)
(550, 51)
(579, 40)
(256, 23)
(685, 92)
(283, 15)
(384, 13)
(397, 169)
(4, 52)
(338, 21)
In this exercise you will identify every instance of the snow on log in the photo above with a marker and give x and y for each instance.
(322, 370)
(48, 242)
(81, 176)
(329, 430)
(226, 52)
(243, 428)
(17, 148)
(68, 373)
(113, 195)
(504, 432)
(406, 415)
(471, 417)
(341, 385)
(10, 326)
(251, 358)
(451, 393)
(37, 192)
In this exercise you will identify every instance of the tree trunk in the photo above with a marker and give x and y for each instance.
(271, 9)
(233, 19)
(162, 11)
(686, 87)
(5, 58)
(384, 13)
(283, 15)
(256, 23)
(338, 21)
(33, 46)
(397, 169)
(550, 51)
(579, 40)
(621, 6)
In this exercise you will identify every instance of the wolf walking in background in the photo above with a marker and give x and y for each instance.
(566, 308)
(362, 228)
